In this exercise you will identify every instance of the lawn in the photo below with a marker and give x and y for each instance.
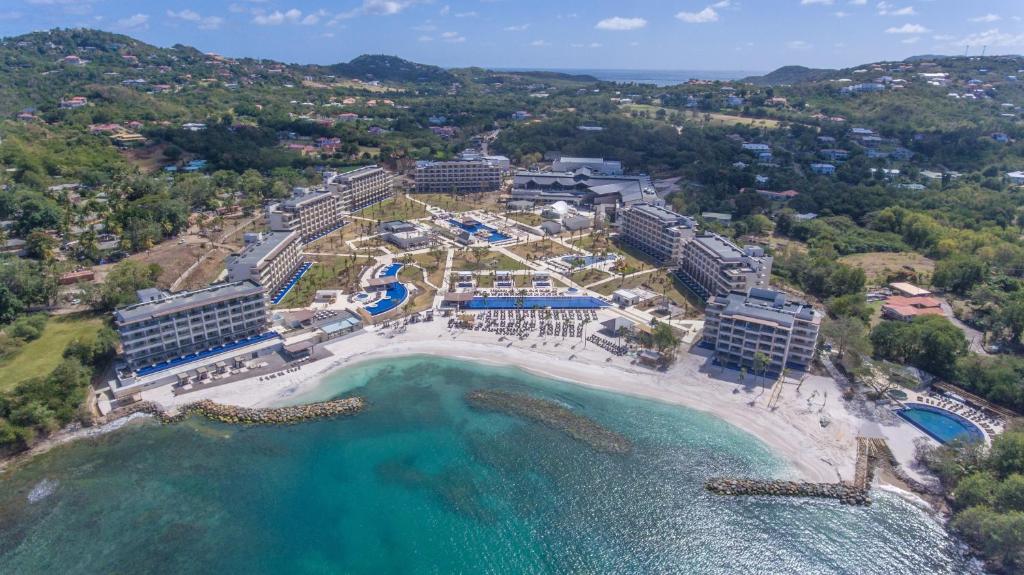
(635, 260)
(540, 250)
(40, 357)
(397, 208)
(714, 119)
(327, 273)
(468, 261)
(490, 201)
(434, 267)
(528, 218)
(588, 276)
(659, 282)
(879, 267)
(424, 298)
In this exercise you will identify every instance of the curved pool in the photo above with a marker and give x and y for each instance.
(941, 425)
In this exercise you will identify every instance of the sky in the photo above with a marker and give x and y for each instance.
(749, 35)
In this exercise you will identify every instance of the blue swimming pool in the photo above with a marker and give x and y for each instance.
(474, 227)
(579, 302)
(393, 297)
(208, 353)
(943, 426)
(294, 279)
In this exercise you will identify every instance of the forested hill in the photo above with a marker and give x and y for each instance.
(40, 68)
(391, 69)
(789, 75)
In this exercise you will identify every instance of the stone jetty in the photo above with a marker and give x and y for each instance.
(552, 415)
(242, 415)
(870, 451)
(846, 493)
(267, 415)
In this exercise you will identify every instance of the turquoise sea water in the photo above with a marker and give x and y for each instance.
(420, 483)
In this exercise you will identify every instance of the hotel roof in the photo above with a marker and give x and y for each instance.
(664, 214)
(254, 253)
(173, 303)
(766, 306)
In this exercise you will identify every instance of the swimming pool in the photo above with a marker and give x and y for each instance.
(535, 302)
(475, 227)
(941, 425)
(394, 295)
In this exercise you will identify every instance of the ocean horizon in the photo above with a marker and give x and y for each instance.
(656, 77)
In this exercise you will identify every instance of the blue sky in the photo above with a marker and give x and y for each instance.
(642, 34)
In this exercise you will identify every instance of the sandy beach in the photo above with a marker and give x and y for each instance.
(810, 427)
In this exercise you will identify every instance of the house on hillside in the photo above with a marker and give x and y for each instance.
(823, 169)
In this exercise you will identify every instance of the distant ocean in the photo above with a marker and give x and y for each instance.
(656, 77)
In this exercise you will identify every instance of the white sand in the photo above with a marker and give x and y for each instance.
(792, 429)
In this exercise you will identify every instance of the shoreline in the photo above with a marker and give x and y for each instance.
(793, 429)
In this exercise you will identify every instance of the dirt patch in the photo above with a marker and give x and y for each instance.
(879, 267)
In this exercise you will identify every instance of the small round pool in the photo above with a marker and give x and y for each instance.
(941, 425)
(898, 394)
(362, 296)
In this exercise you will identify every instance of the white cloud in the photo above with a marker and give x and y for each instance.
(453, 37)
(798, 45)
(470, 14)
(590, 45)
(841, 14)
(619, 23)
(858, 2)
(134, 22)
(201, 22)
(539, 43)
(907, 29)
(704, 16)
(385, 7)
(987, 18)
(822, 2)
(887, 9)
(911, 40)
(277, 17)
(425, 38)
(517, 28)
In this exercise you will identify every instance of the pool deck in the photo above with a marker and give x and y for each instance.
(988, 426)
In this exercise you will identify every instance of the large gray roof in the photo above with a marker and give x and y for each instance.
(186, 300)
(254, 253)
(766, 305)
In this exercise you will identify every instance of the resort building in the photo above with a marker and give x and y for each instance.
(311, 213)
(362, 187)
(713, 265)
(582, 187)
(656, 231)
(469, 173)
(740, 325)
(596, 165)
(165, 327)
(405, 235)
(269, 260)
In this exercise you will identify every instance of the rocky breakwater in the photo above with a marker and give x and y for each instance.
(553, 415)
(267, 415)
(846, 493)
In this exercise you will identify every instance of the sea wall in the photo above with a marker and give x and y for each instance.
(870, 452)
(242, 415)
(846, 493)
(267, 415)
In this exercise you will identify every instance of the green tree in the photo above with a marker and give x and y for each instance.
(124, 280)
